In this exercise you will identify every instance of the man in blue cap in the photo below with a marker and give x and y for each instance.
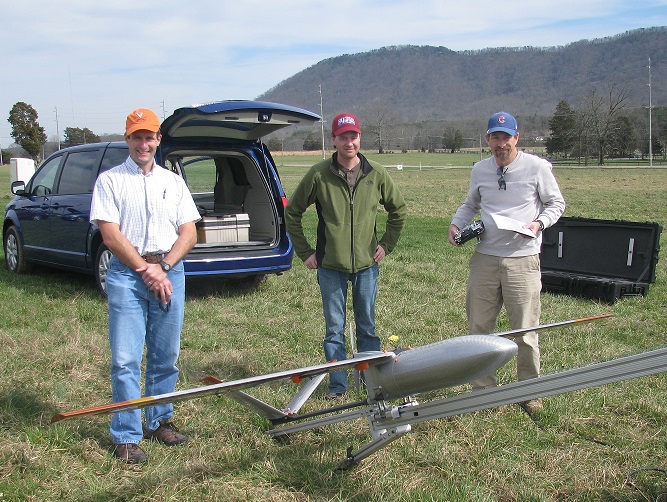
(517, 196)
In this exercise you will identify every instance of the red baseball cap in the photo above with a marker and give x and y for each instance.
(344, 122)
(141, 118)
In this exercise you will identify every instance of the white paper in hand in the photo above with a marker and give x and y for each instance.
(506, 223)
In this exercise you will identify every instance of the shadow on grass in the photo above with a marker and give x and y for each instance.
(205, 287)
(23, 408)
(54, 282)
(51, 282)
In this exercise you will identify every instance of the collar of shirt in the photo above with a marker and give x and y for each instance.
(134, 168)
(350, 175)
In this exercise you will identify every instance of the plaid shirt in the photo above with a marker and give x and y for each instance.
(148, 208)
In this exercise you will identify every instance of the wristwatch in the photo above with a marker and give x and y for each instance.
(541, 224)
(165, 266)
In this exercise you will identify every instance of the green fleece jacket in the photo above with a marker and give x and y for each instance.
(346, 229)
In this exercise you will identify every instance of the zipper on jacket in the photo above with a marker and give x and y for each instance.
(354, 268)
(352, 192)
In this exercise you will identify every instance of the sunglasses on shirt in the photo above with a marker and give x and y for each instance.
(502, 185)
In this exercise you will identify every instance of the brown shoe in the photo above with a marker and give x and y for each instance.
(167, 434)
(130, 453)
(531, 406)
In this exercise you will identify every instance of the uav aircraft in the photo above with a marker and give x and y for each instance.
(394, 379)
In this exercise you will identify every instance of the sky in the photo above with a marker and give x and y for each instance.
(83, 63)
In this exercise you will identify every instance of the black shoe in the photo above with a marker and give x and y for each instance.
(332, 396)
(130, 453)
(167, 434)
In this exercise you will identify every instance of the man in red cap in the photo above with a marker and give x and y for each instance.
(147, 218)
(346, 190)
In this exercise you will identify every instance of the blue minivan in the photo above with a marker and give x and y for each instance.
(216, 148)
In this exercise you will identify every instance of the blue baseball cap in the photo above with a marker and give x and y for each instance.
(503, 122)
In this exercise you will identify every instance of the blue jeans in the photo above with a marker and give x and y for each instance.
(136, 318)
(333, 287)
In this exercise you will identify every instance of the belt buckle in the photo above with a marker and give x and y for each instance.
(153, 258)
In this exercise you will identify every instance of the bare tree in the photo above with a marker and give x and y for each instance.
(376, 123)
(600, 116)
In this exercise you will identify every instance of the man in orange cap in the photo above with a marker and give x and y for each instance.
(147, 218)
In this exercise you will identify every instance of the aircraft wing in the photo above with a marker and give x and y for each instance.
(522, 331)
(297, 375)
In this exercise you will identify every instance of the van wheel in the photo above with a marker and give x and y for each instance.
(102, 259)
(14, 253)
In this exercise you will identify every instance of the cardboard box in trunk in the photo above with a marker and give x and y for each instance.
(223, 228)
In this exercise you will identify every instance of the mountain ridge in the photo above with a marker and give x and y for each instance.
(434, 83)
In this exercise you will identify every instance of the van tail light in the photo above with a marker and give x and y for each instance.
(284, 201)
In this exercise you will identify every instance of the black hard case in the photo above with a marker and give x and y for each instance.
(599, 259)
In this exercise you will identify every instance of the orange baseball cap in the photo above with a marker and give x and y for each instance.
(141, 118)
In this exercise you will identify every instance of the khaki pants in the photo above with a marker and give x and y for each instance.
(495, 281)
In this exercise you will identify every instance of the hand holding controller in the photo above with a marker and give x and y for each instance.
(468, 232)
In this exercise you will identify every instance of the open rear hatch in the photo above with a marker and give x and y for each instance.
(231, 120)
(217, 148)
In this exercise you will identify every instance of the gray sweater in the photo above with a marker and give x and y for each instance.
(532, 193)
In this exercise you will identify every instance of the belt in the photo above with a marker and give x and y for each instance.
(153, 258)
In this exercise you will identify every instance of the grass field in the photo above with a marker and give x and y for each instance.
(597, 444)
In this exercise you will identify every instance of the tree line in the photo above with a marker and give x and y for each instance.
(30, 136)
(601, 127)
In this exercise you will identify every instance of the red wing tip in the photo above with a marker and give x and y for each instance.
(594, 317)
(210, 380)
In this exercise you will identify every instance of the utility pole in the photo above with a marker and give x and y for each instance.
(57, 128)
(163, 113)
(650, 105)
(322, 123)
